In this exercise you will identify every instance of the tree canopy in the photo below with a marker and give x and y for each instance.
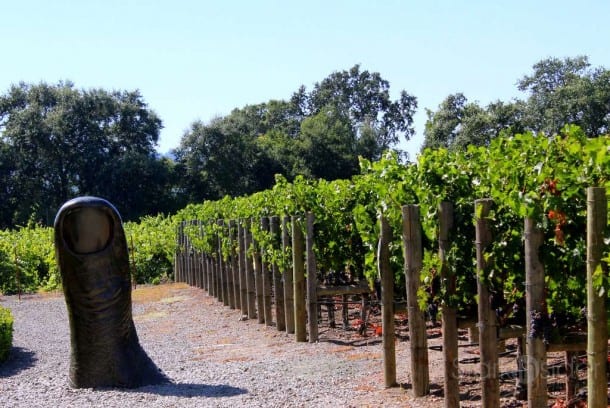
(57, 142)
(558, 92)
(318, 134)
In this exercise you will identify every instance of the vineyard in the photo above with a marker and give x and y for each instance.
(534, 186)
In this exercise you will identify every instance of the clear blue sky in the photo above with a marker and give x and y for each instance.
(199, 59)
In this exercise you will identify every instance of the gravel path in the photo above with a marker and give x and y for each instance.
(212, 358)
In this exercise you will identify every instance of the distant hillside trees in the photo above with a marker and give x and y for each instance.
(318, 133)
(58, 142)
(559, 92)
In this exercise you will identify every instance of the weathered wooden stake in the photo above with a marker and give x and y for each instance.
(178, 254)
(413, 264)
(278, 286)
(266, 278)
(571, 367)
(199, 259)
(597, 336)
(387, 303)
(222, 265)
(488, 338)
(258, 281)
(298, 267)
(234, 267)
(287, 275)
(250, 282)
(243, 285)
(218, 267)
(535, 309)
(449, 314)
(312, 281)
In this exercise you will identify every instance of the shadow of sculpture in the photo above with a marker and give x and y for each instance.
(19, 360)
(188, 390)
(92, 256)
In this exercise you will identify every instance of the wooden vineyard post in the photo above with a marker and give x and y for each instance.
(184, 266)
(178, 255)
(535, 314)
(298, 267)
(234, 288)
(571, 367)
(278, 288)
(193, 254)
(187, 276)
(199, 259)
(288, 278)
(258, 282)
(205, 268)
(250, 283)
(213, 268)
(226, 263)
(243, 286)
(488, 337)
(222, 265)
(449, 314)
(266, 277)
(219, 267)
(312, 282)
(418, 339)
(597, 330)
(209, 267)
(387, 303)
(192, 257)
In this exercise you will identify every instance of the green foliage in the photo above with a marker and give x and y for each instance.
(152, 243)
(316, 134)
(57, 142)
(558, 92)
(6, 333)
(526, 175)
(27, 260)
(27, 255)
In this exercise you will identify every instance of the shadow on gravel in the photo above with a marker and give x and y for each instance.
(19, 360)
(187, 390)
(354, 343)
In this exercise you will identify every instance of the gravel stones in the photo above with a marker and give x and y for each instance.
(212, 358)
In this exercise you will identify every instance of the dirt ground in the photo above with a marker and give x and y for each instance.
(357, 344)
(162, 310)
(468, 357)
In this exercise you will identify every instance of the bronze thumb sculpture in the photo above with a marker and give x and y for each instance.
(91, 252)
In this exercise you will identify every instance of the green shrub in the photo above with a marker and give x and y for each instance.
(6, 333)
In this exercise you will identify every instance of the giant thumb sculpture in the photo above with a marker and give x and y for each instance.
(91, 252)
